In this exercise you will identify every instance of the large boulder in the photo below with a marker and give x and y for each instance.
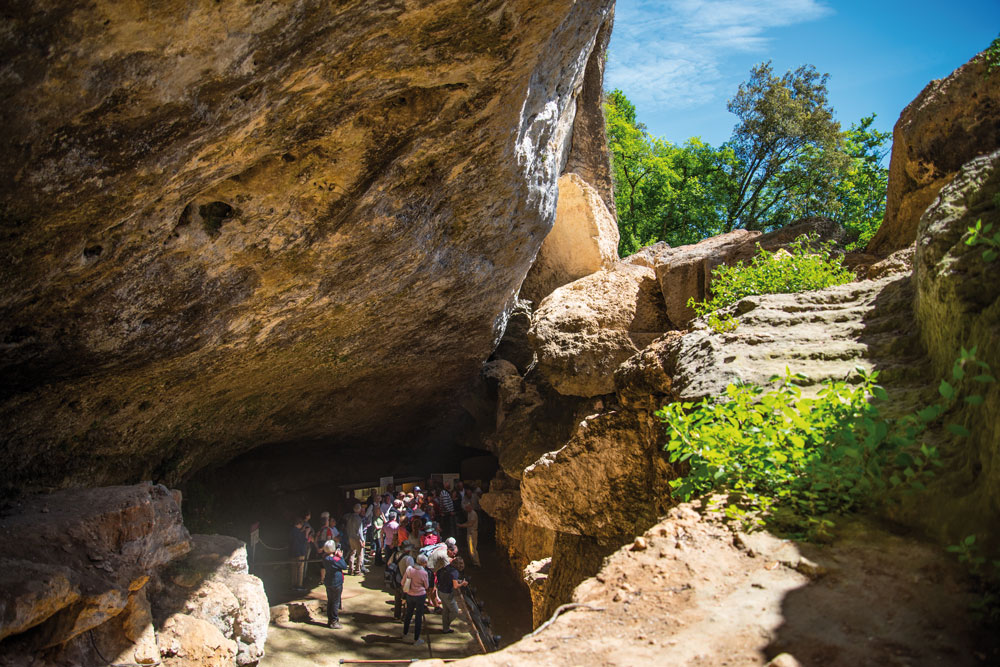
(609, 481)
(186, 641)
(958, 306)
(112, 572)
(584, 330)
(583, 240)
(952, 121)
(611, 478)
(644, 382)
(233, 224)
(212, 583)
(686, 272)
(89, 549)
(529, 417)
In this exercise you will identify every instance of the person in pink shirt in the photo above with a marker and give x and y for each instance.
(415, 587)
(390, 536)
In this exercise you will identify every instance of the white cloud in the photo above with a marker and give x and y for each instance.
(668, 53)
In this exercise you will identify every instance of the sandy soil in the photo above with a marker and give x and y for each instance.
(698, 593)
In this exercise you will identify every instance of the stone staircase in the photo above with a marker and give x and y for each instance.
(822, 335)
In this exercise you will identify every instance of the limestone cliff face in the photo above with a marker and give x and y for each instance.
(958, 306)
(233, 224)
(951, 121)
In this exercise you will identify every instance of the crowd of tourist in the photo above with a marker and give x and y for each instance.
(413, 534)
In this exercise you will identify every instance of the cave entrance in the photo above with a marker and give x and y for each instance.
(267, 489)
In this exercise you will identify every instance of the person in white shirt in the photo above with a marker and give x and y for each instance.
(471, 526)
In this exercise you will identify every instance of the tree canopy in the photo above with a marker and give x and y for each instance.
(788, 147)
(663, 192)
(787, 159)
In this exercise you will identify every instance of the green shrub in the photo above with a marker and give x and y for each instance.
(809, 457)
(992, 56)
(806, 265)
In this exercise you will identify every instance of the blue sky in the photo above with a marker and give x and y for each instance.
(679, 61)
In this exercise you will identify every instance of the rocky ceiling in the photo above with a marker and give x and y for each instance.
(226, 225)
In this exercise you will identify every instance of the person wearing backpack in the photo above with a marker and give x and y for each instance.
(415, 587)
(401, 562)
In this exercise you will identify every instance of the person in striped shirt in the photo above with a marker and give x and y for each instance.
(447, 510)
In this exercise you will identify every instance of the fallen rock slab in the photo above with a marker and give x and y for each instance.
(90, 548)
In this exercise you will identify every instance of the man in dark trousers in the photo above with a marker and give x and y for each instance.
(449, 582)
(299, 550)
(333, 567)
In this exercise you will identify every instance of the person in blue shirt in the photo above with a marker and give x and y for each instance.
(299, 548)
(334, 566)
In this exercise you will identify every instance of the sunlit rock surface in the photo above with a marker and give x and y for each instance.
(584, 239)
(584, 330)
(227, 224)
(951, 121)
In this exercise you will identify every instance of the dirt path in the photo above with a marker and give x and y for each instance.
(298, 634)
(700, 594)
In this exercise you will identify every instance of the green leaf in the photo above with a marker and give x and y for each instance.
(974, 399)
(930, 413)
(985, 378)
(969, 540)
(946, 390)
(989, 255)
(959, 430)
(957, 372)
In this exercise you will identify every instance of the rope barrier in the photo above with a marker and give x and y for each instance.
(261, 543)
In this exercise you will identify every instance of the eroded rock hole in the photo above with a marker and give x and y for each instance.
(213, 215)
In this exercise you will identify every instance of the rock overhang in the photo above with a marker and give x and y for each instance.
(230, 226)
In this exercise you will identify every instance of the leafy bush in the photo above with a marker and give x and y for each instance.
(805, 266)
(992, 55)
(832, 454)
